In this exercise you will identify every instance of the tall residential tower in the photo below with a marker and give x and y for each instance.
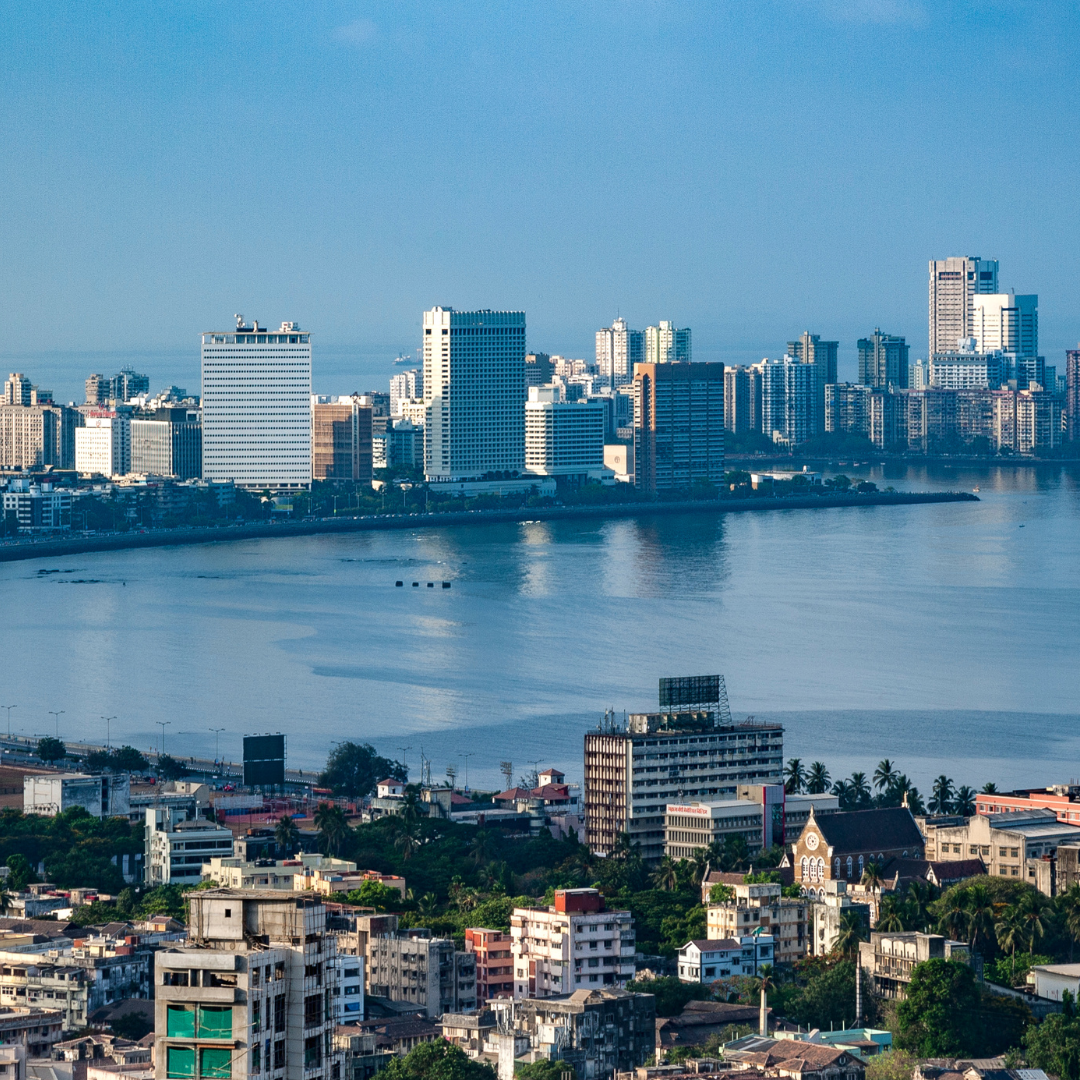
(954, 282)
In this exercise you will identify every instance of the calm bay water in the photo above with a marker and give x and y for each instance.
(946, 637)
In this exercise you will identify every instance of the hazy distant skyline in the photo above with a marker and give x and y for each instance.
(750, 171)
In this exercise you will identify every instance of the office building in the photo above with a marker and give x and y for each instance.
(705, 960)
(420, 970)
(102, 796)
(678, 425)
(176, 847)
(36, 436)
(103, 445)
(575, 944)
(256, 407)
(667, 344)
(167, 444)
(341, 447)
(252, 995)
(883, 361)
(1005, 322)
(1072, 392)
(405, 386)
(692, 826)
(790, 412)
(618, 349)
(968, 368)
(474, 393)
(37, 507)
(954, 283)
(538, 369)
(494, 963)
(564, 439)
(691, 750)
(762, 908)
(889, 959)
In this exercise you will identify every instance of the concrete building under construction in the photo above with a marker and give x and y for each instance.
(691, 748)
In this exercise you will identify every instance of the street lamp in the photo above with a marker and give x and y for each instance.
(466, 757)
(9, 708)
(404, 760)
(108, 729)
(56, 716)
(163, 724)
(217, 732)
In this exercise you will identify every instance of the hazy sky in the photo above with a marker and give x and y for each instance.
(749, 170)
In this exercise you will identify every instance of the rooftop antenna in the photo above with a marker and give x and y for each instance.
(239, 321)
(723, 709)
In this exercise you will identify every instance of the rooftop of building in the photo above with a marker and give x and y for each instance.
(755, 1050)
(866, 830)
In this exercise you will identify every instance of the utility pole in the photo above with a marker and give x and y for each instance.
(163, 724)
(9, 708)
(108, 731)
(404, 760)
(466, 757)
(56, 716)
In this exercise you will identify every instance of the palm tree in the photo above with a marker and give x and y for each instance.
(428, 905)
(333, 828)
(764, 984)
(953, 916)
(859, 788)
(842, 790)
(5, 898)
(287, 835)
(666, 875)
(700, 863)
(884, 775)
(1010, 933)
(989, 788)
(915, 801)
(408, 840)
(794, 777)
(941, 802)
(817, 779)
(410, 807)
(964, 801)
(920, 897)
(1033, 911)
(891, 914)
(872, 879)
(1068, 904)
(981, 913)
(852, 931)
(482, 847)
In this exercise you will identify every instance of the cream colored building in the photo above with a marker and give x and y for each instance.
(231, 873)
(763, 906)
(689, 827)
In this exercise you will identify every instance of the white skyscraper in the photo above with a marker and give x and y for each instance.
(474, 393)
(1006, 322)
(617, 351)
(666, 344)
(104, 446)
(953, 284)
(405, 386)
(256, 406)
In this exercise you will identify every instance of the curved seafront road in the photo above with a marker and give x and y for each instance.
(75, 545)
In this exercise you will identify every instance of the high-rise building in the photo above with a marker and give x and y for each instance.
(30, 437)
(954, 282)
(918, 374)
(128, 383)
(678, 425)
(341, 439)
(103, 445)
(256, 402)
(405, 386)
(175, 847)
(97, 389)
(790, 409)
(688, 750)
(883, 360)
(474, 391)
(968, 369)
(494, 963)
(168, 444)
(823, 354)
(1072, 392)
(429, 972)
(573, 944)
(251, 996)
(564, 439)
(538, 369)
(1005, 322)
(742, 398)
(618, 349)
(667, 344)
(17, 389)
(847, 409)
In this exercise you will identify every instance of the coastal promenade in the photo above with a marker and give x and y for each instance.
(15, 550)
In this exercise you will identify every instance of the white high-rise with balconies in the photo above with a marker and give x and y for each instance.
(256, 406)
(954, 282)
(474, 394)
(617, 351)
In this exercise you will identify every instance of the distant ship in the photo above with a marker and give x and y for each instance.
(403, 359)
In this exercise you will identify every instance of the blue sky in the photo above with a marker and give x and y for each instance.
(747, 170)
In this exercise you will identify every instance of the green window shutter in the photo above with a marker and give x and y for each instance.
(181, 1061)
(214, 1062)
(215, 1022)
(181, 1023)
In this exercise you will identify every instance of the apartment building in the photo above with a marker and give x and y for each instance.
(830, 908)
(633, 772)
(34, 1031)
(103, 444)
(706, 960)
(252, 995)
(762, 907)
(618, 349)
(176, 848)
(883, 360)
(494, 963)
(37, 507)
(1063, 799)
(348, 1003)
(889, 958)
(49, 794)
(576, 943)
(954, 283)
(413, 967)
(341, 446)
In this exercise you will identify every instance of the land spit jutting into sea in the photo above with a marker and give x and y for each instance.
(75, 545)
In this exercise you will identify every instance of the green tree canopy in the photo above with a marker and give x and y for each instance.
(671, 993)
(50, 749)
(546, 1070)
(938, 1016)
(377, 895)
(1054, 1046)
(353, 770)
(169, 768)
(436, 1060)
